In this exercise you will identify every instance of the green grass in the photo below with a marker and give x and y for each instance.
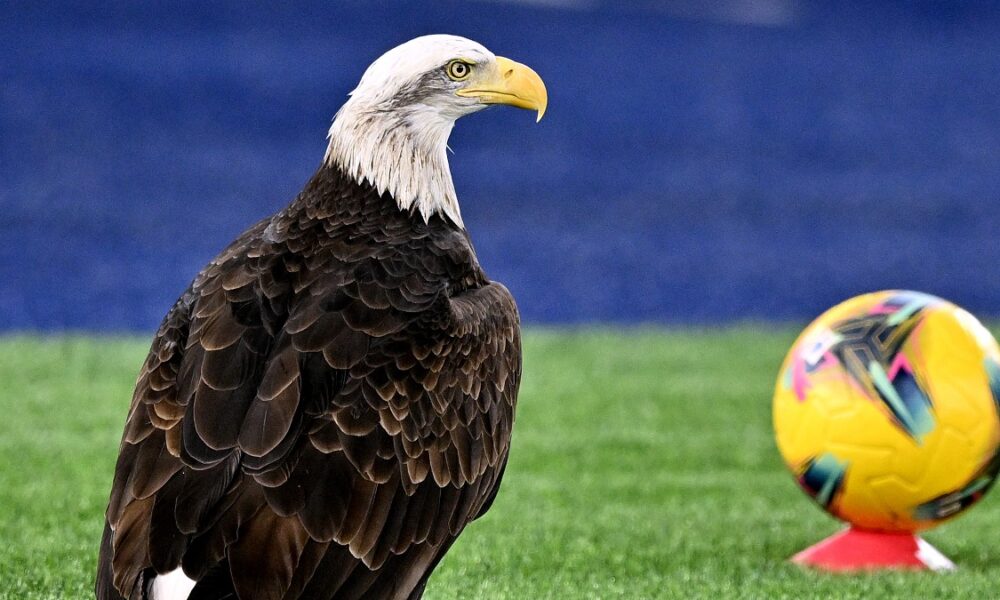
(643, 467)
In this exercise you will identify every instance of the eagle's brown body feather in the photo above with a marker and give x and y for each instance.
(321, 413)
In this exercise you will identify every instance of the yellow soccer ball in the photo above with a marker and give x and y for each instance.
(886, 410)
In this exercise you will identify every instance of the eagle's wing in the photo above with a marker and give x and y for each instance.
(311, 439)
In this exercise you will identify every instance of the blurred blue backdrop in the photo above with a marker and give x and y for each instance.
(700, 161)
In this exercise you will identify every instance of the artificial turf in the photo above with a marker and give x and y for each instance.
(642, 467)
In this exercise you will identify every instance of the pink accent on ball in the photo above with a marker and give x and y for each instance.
(900, 362)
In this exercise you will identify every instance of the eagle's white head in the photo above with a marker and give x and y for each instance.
(393, 130)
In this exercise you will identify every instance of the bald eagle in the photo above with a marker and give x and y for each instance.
(330, 402)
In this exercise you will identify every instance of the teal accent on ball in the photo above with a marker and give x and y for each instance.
(993, 372)
(832, 473)
(919, 422)
(907, 310)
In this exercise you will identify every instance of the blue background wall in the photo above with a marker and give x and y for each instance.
(752, 159)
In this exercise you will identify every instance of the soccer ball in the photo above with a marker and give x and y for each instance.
(886, 410)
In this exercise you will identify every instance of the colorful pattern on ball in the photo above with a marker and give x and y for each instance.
(887, 411)
(823, 477)
(868, 347)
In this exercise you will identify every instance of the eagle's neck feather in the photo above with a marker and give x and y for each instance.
(402, 152)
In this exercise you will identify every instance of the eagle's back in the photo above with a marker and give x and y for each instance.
(321, 412)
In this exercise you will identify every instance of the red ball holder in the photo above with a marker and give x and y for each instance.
(859, 550)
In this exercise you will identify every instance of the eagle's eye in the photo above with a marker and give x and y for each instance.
(458, 70)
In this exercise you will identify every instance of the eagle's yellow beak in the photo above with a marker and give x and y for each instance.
(514, 84)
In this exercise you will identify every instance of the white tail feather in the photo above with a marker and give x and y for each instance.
(174, 585)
